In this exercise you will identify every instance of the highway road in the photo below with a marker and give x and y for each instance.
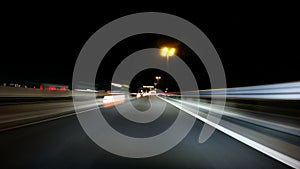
(62, 143)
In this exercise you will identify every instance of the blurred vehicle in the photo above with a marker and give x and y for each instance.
(152, 93)
(53, 87)
(139, 95)
(141, 92)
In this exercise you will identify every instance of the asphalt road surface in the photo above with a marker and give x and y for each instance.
(62, 143)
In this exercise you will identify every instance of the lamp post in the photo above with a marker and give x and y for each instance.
(157, 80)
(167, 52)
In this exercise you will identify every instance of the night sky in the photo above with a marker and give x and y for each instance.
(256, 46)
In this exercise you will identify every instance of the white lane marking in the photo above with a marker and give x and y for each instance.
(262, 148)
(46, 120)
(263, 122)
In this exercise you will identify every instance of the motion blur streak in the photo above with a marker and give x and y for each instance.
(256, 145)
(252, 120)
(265, 118)
(283, 91)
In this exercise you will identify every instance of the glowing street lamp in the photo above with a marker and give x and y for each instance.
(167, 52)
(157, 80)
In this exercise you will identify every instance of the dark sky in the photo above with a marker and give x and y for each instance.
(256, 45)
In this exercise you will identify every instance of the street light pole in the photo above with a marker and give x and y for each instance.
(157, 80)
(167, 52)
